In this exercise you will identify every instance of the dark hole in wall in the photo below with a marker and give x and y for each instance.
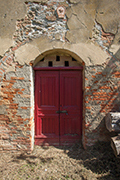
(73, 59)
(42, 59)
(50, 63)
(57, 58)
(66, 63)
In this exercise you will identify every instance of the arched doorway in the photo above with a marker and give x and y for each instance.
(58, 100)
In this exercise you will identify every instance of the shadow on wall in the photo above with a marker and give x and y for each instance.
(103, 95)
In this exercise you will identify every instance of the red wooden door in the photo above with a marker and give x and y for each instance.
(58, 107)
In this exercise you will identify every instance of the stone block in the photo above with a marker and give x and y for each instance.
(89, 53)
(83, 16)
(78, 35)
(68, 12)
(74, 23)
(42, 44)
(26, 53)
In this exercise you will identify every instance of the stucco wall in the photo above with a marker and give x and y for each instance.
(89, 31)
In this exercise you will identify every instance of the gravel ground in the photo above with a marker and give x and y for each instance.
(61, 163)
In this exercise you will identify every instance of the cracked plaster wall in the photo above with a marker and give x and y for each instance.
(40, 18)
(89, 31)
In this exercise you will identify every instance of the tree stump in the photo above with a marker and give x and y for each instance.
(115, 144)
(112, 121)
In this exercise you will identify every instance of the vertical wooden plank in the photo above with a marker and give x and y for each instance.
(70, 90)
(47, 96)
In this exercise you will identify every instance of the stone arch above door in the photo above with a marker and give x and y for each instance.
(35, 50)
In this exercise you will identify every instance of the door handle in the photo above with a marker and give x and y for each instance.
(64, 111)
(57, 111)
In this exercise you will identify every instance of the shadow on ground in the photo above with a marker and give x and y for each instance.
(99, 158)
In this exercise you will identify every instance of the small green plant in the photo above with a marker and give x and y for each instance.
(67, 177)
(32, 169)
(37, 177)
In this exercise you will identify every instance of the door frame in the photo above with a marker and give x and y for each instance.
(58, 68)
(75, 68)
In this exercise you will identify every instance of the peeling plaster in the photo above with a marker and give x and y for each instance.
(99, 36)
(26, 53)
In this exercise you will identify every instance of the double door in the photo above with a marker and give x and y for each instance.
(58, 107)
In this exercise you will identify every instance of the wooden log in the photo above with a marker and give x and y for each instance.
(115, 144)
(108, 122)
(112, 121)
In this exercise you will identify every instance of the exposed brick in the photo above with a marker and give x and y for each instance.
(24, 107)
(14, 48)
(88, 107)
(17, 78)
(20, 92)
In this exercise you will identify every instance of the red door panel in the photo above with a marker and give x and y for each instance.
(70, 101)
(58, 107)
(47, 103)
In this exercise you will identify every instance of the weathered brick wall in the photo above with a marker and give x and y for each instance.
(102, 95)
(15, 116)
(88, 32)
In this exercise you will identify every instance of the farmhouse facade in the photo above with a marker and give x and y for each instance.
(59, 71)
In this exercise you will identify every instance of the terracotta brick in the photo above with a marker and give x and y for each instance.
(88, 87)
(20, 92)
(98, 73)
(22, 89)
(13, 107)
(2, 69)
(10, 81)
(17, 89)
(4, 119)
(17, 78)
(104, 87)
(95, 81)
(4, 58)
(88, 107)
(24, 108)
(14, 48)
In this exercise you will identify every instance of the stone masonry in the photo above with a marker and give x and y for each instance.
(41, 19)
(89, 31)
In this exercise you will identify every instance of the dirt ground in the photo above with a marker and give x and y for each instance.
(61, 163)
